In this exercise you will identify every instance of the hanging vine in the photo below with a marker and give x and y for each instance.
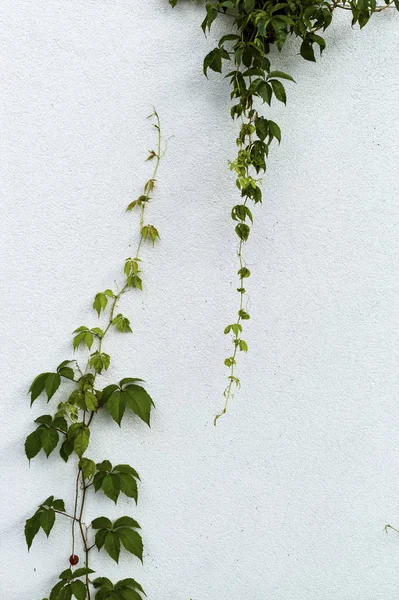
(257, 27)
(71, 424)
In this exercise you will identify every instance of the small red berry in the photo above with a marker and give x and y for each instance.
(73, 559)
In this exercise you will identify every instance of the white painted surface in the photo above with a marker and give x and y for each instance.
(288, 497)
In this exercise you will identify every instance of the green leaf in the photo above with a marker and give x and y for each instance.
(279, 90)
(52, 384)
(66, 575)
(112, 545)
(45, 420)
(275, 130)
(47, 520)
(126, 469)
(81, 440)
(103, 582)
(129, 583)
(139, 401)
(66, 371)
(98, 480)
(265, 92)
(280, 75)
(307, 51)
(213, 60)
(49, 440)
(66, 450)
(81, 572)
(56, 590)
(101, 523)
(129, 380)
(100, 302)
(65, 593)
(128, 486)
(59, 505)
(79, 590)
(91, 401)
(99, 538)
(88, 467)
(111, 486)
(105, 465)
(32, 527)
(122, 323)
(128, 594)
(37, 386)
(116, 405)
(33, 443)
(60, 423)
(126, 522)
(132, 542)
(107, 392)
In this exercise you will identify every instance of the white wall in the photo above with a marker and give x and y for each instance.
(288, 497)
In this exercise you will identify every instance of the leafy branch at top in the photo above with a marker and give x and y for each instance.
(256, 27)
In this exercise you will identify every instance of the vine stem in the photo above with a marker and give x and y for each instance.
(228, 393)
(80, 477)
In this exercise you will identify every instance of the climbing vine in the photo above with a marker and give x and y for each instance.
(256, 27)
(70, 426)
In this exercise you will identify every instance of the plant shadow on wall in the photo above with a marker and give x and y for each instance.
(256, 27)
(71, 424)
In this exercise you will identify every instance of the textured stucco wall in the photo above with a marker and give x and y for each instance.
(288, 497)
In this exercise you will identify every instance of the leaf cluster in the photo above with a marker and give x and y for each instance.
(70, 585)
(113, 481)
(43, 518)
(126, 589)
(111, 535)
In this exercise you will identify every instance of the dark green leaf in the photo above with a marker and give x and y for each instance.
(47, 520)
(82, 571)
(126, 469)
(59, 505)
(126, 522)
(307, 51)
(33, 443)
(66, 575)
(56, 589)
(279, 90)
(65, 593)
(128, 485)
(132, 541)
(105, 465)
(116, 405)
(139, 401)
(79, 590)
(66, 450)
(101, 523)
(53, 382)
(37, 386)
(111, 486)
(44, 419)
(112, 545)
(32, 527)
(49, 440)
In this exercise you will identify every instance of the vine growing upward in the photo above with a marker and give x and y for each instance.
(81, 401)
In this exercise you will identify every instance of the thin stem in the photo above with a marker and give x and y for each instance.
(75, 511)
(80, 477)
(228, 393)
(64, 514)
